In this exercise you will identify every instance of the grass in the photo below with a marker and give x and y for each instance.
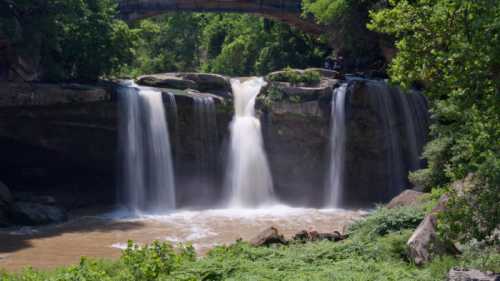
(375, 250)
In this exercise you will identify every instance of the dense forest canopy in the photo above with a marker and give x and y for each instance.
(449, 48)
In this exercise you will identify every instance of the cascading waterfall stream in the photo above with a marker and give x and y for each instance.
(397, 127)
(249, 181)
(337, 146)
(147, 174)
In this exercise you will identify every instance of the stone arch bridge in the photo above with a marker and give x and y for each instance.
(288, 11)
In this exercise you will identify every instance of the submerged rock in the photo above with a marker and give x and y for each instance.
(463, 274)
(406, 198)
(29, 213)
(269, 236)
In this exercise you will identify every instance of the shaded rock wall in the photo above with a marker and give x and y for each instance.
(58, 139)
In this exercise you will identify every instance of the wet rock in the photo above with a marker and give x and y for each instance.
(406, 198)
(424, 244)
(269, 236)
(29, 213)
(166, 81)
(463, 274)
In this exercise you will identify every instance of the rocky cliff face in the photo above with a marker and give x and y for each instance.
(62, 140)
(58, 139)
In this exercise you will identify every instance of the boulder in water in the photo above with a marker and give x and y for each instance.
(269, 236)
(463, 274)
(406, 198)
(30, 213)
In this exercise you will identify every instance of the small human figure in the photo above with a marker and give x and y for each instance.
(329, 63)
(338, 63)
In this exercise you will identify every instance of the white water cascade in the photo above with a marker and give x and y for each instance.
(337, 147)
(249, 181)
(147, 170)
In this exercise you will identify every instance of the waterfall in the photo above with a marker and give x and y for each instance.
(337, 146)
(249, 182)
(205, 148)
(147, 170)
(377, 137)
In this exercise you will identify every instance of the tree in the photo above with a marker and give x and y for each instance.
(451, 47)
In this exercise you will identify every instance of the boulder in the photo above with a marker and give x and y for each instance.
(29, 213)
(5, 204)
(208, 82)
(463, 274)
(166, 81)
(424, 242)
(269, 236)
(5, 195)
(406, 198)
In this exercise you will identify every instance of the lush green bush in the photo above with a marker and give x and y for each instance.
(451, 47)
(308, 77)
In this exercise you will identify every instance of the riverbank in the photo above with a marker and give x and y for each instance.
(105, 235)
(375, 250)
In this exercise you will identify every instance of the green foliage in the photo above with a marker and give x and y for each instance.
(220, 43)
(246, 45)
(437, 152)
(348, 33)
(451, 47)
(308, 77)
(72, 39)
(384, 221)
(166, 44)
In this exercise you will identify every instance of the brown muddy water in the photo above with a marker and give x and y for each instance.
(104, 236)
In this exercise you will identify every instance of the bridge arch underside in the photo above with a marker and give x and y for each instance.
(284, 11)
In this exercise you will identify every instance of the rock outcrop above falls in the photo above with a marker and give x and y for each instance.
(204, 82)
